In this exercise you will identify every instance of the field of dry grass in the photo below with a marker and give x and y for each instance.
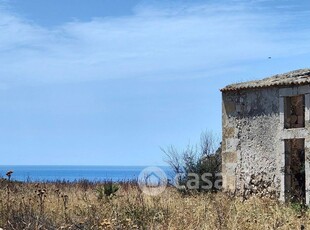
(80, 205)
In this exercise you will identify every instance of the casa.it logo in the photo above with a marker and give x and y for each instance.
(152, 181)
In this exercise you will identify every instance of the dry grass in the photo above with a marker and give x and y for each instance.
(76, 206)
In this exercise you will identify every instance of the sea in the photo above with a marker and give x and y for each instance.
(44, 173)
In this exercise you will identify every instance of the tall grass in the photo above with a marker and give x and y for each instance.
(75, 205)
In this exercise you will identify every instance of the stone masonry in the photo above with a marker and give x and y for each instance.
(266, 130)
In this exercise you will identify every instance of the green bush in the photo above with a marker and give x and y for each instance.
(196, 159)
(107, 190)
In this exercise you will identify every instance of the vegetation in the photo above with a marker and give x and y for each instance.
(107, 205)
(108, 190)
(64, 205)
(195, 161)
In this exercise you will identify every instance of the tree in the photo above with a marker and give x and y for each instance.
(198, 166)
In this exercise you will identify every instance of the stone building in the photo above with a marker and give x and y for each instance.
(266, 136)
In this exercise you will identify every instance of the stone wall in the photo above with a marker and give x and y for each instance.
(251, 127)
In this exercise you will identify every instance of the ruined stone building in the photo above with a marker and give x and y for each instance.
(266, 136)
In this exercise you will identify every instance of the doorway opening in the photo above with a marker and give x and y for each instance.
(295, 177)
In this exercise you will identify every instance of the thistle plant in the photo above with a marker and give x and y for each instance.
(8, 174)
(42, 195)
(65, 199)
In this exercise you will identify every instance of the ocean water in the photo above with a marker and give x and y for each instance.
(71, 173)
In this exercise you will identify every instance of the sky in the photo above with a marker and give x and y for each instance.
(111, 82)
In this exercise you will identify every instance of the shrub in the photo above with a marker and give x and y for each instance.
(107, 190)
(196, 160)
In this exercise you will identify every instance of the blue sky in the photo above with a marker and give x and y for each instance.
(109, 82)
